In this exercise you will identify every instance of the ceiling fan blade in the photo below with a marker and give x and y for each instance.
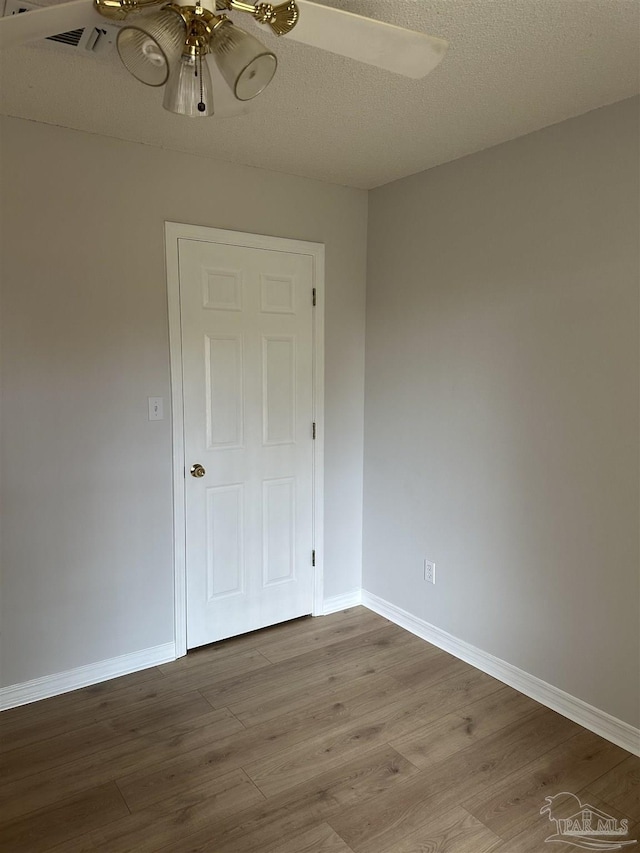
(47, 21)
(366, 40)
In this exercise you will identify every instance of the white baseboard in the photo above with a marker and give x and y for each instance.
(342, 602)
(83, 676)
(603, 724)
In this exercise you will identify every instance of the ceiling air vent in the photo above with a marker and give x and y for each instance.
(71, 38)
(87, 40)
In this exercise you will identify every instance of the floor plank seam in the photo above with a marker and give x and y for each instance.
(596, 780)
(257, 787)
(213, 707)
(124, 799)
(235, 717)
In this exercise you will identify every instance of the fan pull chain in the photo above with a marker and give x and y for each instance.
(201, 105)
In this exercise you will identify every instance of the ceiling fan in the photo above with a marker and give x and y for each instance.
(164, 44)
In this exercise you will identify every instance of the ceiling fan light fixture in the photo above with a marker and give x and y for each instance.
(244, 62)
(152, 45)
(189, 91)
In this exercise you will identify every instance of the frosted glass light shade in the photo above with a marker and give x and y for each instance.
(189, 91)
(246, 64)
(226, 104)
(150, 46)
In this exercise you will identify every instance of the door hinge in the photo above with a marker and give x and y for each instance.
(313, 558)
(314, 296)
(313, 431)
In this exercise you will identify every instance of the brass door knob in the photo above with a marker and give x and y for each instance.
(197, 470)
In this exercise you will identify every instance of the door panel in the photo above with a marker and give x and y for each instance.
(246, 318)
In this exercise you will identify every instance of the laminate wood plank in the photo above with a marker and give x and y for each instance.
(175, 708)
(94, 705)
(319, 839)
(295, 692)
(34, 711)
(90, 708)
(210, 669)
(288, 768)
(403, 711)
(381, 822)
(620, 785)
(298, 630)
(455, 831)
(292, 633)
(429, 668)
(444, 695)
(173, 818)
(452, 732)
(326, 633)
(45, 789)
(260, 709)
(215, 654)
(512, 803)
(342, 704)
(213, 667)
(45, 829)
(41, 720)
(283, 817)
(451, 688)
(375, 651)
(282, 736)
(46, 754)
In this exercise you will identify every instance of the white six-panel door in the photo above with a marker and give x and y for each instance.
(247, 363)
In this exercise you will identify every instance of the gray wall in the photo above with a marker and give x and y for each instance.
(501, 404)
(86, 478)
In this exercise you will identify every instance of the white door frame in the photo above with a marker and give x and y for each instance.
(173, 232)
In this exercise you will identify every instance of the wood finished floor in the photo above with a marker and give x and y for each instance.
(343, 734)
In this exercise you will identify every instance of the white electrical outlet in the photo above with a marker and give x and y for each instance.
(429, 571)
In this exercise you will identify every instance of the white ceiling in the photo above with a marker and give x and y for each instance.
(513, 66)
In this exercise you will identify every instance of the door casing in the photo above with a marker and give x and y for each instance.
(173, 232)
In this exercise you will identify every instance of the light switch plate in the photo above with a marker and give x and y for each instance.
(156, 408)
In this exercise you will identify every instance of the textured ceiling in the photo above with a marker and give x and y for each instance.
(513, 66)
